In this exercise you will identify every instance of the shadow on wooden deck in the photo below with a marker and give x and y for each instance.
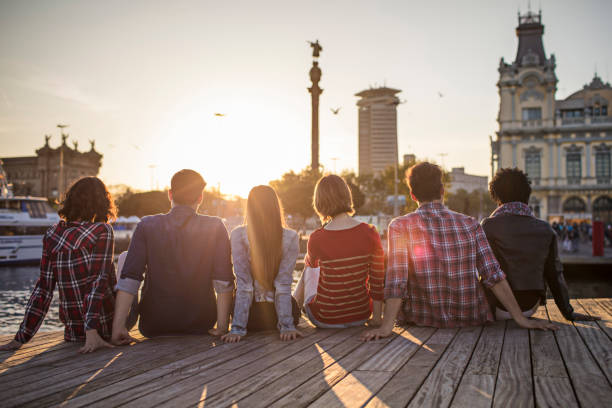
(496, 365)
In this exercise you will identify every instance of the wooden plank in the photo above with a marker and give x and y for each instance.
(50, 353)
(589, 383)
(354, 389)
(606, 303)
(83, 369)
(317, 385)
(399, 350)
(595, 309)
(597, 342)
(112, 390)
(194, 388)
(160, 379)
(477, 385)
(439, 387)
(367, 379)
(283, 368)
(552, 386)
(514, 382)
(401, 388)
(275, 390)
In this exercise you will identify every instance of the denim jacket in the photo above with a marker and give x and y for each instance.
(246, 286)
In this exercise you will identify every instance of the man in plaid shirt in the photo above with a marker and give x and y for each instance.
(438, 260)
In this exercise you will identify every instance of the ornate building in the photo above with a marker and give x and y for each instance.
(377, 129)
(563, 145)
(52, 170)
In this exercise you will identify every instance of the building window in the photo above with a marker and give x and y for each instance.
(602, 209)
(532, 113)
(532, 164)
(573, 164)
(574, 205)
(604, 110)
(602, 164)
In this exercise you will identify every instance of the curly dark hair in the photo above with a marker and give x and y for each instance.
(510, 184)
(88, 200)
(425, 181)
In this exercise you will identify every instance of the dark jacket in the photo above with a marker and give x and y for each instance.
(526, 249)
(182, 253)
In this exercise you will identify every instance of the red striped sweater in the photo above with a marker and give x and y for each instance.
(352, 273)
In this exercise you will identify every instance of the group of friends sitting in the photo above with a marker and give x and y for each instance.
(443, 269)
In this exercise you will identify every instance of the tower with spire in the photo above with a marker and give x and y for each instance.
(564, 146)
(527, 86)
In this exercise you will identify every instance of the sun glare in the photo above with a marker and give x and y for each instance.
(235, 146)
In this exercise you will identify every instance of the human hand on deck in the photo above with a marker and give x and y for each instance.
(121, 337)
(583, 317)
(290, 335)
(231, 338)
(93, 342)
(13, 345)
(537, 324)
(217, 331)
(376, 334)
(374, 322)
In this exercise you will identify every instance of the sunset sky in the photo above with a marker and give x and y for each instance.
(144, 79)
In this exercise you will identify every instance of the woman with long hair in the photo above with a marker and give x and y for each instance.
(264, 253)
(77, 258)
(342, 284)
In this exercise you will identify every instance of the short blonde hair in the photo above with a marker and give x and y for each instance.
(332, 196)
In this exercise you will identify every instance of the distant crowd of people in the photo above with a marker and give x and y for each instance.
(572, 234)
(444, 269)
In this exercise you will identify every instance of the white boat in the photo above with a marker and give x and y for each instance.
(23, 223)
(124, 227)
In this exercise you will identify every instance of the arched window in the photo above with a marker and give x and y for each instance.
(574, 205)
(602, 209)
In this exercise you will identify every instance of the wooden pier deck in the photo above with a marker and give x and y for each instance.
(497, 365)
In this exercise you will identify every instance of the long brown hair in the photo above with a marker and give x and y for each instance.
(264, 223)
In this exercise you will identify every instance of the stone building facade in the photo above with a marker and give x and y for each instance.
(460, 180)
(563, 145)
(52, 170)
(377, 129)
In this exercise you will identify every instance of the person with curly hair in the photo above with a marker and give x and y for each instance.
(525, 247)
(77, 258)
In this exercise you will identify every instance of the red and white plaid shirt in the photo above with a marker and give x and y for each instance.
(78, 258)
(437, 261)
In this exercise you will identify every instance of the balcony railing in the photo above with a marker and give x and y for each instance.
(572, 121)
(601, 119)
(532, 123)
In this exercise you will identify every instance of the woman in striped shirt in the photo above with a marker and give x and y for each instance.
(342, 285)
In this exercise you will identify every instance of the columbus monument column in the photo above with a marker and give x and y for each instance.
(315, 91)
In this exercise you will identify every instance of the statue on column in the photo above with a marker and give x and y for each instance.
(64, 137)
(92, 142)
(47, 138)
(75, 143)
(316, 48)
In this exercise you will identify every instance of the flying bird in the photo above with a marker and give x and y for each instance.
(335, 111)
(440, 94)
(219, 114)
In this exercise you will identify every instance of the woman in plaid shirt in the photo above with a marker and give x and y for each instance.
(78, 258)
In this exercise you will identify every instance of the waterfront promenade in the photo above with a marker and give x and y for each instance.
(497, 365)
